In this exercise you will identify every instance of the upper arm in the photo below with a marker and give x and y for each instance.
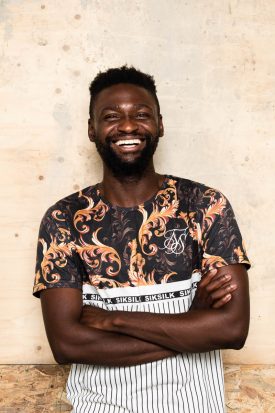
(223, 249)
(57, 263)
(221, 239)
(61, 309)
(237, 310)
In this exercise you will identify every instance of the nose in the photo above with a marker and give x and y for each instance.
(127, 125)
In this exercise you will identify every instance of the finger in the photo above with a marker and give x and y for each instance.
(217, 283)
(220, 303)
(218, 295)
(222, 292)
(208, 277)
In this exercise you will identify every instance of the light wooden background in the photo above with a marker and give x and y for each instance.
(214, 64)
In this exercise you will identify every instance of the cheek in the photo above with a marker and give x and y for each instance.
(151, 127)
(106, 129)
(102, 132)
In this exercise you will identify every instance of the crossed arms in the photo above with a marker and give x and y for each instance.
(217, 319)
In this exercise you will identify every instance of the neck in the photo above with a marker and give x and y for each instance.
(132, 190)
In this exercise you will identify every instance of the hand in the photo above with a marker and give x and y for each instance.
(95, 317)
(213, 292)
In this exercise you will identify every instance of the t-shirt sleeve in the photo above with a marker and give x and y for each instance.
(222, 243)
(56, 261)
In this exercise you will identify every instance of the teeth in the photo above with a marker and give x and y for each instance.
(128, 142)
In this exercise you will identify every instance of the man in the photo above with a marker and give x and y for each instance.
(118, 265)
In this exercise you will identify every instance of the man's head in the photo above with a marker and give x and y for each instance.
(118, 75)
(125, 121)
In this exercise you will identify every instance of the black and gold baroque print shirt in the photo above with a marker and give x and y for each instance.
(147, 258)
(186, 228)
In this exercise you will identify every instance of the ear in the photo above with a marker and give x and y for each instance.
(91, 130)
(161, 127)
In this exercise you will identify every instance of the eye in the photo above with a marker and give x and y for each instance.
(143, 115)
(111, 116)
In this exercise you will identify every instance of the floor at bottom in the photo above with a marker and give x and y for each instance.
(41, 388)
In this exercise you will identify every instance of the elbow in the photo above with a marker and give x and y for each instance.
(61, 353)
(238, 342)
(241, 336)
(61, 358)
(237, 336)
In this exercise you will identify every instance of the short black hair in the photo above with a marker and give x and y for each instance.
(123, 74)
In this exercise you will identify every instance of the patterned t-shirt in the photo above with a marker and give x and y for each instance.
(145, 258)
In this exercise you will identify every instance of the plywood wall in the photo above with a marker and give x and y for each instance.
(214, 65)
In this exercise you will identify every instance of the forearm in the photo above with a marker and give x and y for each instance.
(194, 331)
(198, 330)
(72, 341)
(92, 346)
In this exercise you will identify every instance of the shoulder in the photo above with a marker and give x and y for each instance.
(197, 195)
(64, 209)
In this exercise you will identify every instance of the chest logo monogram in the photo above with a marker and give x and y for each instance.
(174, 241)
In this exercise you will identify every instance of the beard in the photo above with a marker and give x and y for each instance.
(131, 168)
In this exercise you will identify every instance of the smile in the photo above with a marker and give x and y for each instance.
(128, 142)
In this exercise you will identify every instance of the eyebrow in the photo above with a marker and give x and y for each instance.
(117, 107)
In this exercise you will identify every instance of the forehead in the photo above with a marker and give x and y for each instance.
(124, 94)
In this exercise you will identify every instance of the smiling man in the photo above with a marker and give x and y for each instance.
(142, 277)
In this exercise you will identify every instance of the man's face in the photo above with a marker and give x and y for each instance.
(125, 127)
